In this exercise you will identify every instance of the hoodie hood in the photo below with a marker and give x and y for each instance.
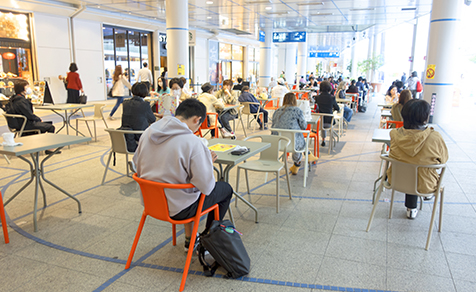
(410, 141)
(166, 128)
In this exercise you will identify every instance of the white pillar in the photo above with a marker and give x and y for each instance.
(412, 62)
(176, 13)
(373, 74)
(445, 19)
(369, 55)
(302, 60)
(245, 63)
(353, 69)
(291, 54)
(266, 57)
(281, 60)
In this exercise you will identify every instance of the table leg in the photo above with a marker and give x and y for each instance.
(34, 157)
(68, 123)
(32, 172)
(64, 121)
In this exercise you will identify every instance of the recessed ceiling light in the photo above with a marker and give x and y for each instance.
(209, 17)
(268, 8)
(322, 14)
(258, 2)
(362, 9)
(278, 13)
(310, 3)
(209, 2)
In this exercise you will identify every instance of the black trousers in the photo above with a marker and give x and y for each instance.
(411, 201)
(42, 126)
(220, 195)
(73, 96)
(265, 115)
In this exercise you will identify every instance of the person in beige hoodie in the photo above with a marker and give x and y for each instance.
(214, 105)
(416, 143)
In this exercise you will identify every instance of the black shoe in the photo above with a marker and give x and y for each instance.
(48, 152)
(323, 143)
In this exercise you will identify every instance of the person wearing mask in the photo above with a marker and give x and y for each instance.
(176, 86)
(185, 89)
(290, 116)
(227, 97)
(119, 91)
(416, 143)
(145, 76)
(280, 90)
(187, 160)
(164, 89)
(246, 96)
(396, 110)
(20, 105)
(412, 84)
(213, 105)
(340, 93)
(391, 96)
(327, 104)
(136, 114)
(74, 85)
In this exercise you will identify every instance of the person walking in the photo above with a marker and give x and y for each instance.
(145, 76)
(74, 85)
(118, 89)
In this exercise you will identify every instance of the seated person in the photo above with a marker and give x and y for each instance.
(19, 105)
(352, 88)
(289, 116)
(416, 143)
(188, 160)
(396, 110)
(176, 86)
(186, 89)
(341, 94)
(238, 86)
(312, 83)
(327, 104)
(162, 87)
(391, 96)
(136, 114)
(280, 90)
(227, 97)
(213, 105)
(246, 96)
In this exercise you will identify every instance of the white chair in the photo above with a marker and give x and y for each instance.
(247, 111)
(333, 136)
(268, 162)
(405, 180)
(240, 112)
(98, 115)
(355, 100)
(22, 130)
(119, 145)
(291, 135)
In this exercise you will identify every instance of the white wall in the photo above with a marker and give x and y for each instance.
(201, 61)
(90, 58)
(52, 40)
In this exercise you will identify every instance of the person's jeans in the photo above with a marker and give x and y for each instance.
(348, 114)
(225, 120)
(265, 116)
(119, 100)
(220, 195)
(411, 201)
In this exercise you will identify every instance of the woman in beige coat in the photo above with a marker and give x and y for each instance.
(416, 143)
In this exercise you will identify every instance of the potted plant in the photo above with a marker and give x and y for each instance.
(371, 65)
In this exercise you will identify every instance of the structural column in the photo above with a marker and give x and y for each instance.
(291, 55)
(445, 19)
(266, 57)
(412, 62)
(302, 59)
(353, 69)
(246, 59)
(369, 55)
(176, 13)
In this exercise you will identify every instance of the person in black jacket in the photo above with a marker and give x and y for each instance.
(19, 105)
(326, 104)
(136, 115)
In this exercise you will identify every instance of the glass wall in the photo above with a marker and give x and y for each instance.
(231, 62)
(253, 65)
(128, 48)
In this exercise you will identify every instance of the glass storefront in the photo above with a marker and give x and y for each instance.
(128, 48)
(231, 62)
(253, 65)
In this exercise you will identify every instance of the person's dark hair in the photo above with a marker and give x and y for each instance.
(245, 88)
(191, 107)
(325, 87)
(399, 84)
(352, 82)
(184, 81)
(19, 86)
(404, 97)
(415, 113)
(144, 64)
(175, 81)
(207, 87)
(228, 82)
(140, 89)
(414, 74)
(73, 67)
(390, 89)
(240, 79)
(359, 79)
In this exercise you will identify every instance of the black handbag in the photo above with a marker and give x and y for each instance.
(109, 94)
(83, 99)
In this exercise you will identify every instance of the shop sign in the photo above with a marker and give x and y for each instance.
(15, 44)
(191, 38)
(289, 37)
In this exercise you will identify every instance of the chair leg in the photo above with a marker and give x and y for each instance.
(306, 167)
(196, 222)
(95, 133)
(391, 205)
(237, 184)
(287, 177)
(136, 240)
(277, 191)
(442, 195)
(372, 214)
(247, 182)
(432, 222)
(107, 166)
(127, 165)
(6, 158)
(77, 130)
(3, 219)
(242, 125)
(174, 235)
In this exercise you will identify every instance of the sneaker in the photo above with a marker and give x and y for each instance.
(428, 198)
(294, 169)
(323, 143)
(412, 213)
(225, 133)
(186, 246)
(111, 118)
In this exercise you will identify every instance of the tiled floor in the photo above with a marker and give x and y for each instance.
(317, 240)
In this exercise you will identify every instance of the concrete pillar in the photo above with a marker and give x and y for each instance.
(281, 60)
(373, 74)
(412, 62)
(353, 70)
(369, 55)
(176, 13)
(291, 54)
(246, 60)
(302, 60)
(445, 19)
(266, 57)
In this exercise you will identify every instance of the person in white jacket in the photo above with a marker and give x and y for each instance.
(119, 90)
(214, 105)
(169, 152)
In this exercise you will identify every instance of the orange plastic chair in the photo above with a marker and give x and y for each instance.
(294, 87)
(398, 124)
(271, 106)
(155, 205)
(314, 136)
(4, 220)
(204, 125)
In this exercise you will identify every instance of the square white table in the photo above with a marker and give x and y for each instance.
(226, 158)
(33, 145)
(57, 108)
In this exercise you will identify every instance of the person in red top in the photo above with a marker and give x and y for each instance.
(74, 84)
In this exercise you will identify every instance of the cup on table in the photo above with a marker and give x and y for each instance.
(8, 138)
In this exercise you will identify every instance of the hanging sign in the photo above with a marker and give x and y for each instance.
(180, 69)
(191, 38)
(289, 37)
(430, 71)
(262, 36)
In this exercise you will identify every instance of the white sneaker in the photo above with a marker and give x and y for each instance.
(412, 213)
(225, 133)
(111, 118)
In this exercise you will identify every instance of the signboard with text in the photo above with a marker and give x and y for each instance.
(262, 36)
(289, 37)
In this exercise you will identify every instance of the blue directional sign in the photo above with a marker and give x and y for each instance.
(289, 37)
(262, 36)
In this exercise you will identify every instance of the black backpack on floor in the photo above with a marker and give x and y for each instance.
(224, 244)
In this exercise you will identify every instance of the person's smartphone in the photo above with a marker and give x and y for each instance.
(240, 151)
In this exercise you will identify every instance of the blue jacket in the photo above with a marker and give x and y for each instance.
(248, 97)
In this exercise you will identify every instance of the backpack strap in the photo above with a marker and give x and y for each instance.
(208, 270)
